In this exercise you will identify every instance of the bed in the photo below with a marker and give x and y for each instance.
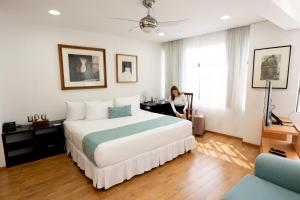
(119, 159)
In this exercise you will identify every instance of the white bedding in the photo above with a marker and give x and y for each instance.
(121, 149)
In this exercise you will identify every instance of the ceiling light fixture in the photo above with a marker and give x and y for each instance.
(148, 23)
(54, 12)
(161, 34)
(225, 17)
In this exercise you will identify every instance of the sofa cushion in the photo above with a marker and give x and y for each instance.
(278, 170)
(251, 187)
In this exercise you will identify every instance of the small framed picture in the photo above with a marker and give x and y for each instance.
(271, 64)
(127, 69)
(82, 67)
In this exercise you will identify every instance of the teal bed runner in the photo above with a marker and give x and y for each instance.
(92, 140)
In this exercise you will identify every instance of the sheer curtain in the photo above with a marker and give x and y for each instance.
(214, 68)
(237, 59)
(172, 52)
(204, 70)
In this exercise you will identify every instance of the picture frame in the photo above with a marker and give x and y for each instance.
(126, 68)
(271, 64)
(82, 67)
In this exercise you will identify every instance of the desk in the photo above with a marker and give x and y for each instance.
(161, 107)
(276, 136)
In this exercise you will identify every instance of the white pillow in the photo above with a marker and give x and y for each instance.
(75, 111)
(97, 110)
(134, 101)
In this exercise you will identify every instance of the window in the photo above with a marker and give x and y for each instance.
(212, 66)
(206, 74)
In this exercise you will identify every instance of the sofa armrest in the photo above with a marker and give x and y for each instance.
(280, 171)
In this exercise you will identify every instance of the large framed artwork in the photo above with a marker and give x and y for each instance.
(127, 69)
(271, 64)
(82, 67)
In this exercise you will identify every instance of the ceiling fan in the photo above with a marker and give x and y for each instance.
(148, 24)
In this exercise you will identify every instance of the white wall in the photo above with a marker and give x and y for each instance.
(2, 160)
(266, 34)
(30, 78)
(248, 125)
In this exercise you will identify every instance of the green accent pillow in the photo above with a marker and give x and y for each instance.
(116, 112)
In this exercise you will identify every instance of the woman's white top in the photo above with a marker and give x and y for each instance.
(179, 101)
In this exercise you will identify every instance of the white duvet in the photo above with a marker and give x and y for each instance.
(121, 149)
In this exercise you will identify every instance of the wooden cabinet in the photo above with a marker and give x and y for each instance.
(27, 143)
(284, 138)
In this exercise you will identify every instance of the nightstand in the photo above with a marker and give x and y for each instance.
(29, 143)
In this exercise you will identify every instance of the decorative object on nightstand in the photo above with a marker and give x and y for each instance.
(27, 143)
(40, 121)
(9, 126)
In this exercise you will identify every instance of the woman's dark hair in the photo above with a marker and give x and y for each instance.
(174, 88)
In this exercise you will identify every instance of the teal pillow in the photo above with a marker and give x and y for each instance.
(116, 112)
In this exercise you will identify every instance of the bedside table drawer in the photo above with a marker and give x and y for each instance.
(45, 131)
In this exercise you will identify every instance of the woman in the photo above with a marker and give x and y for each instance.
(178, 102)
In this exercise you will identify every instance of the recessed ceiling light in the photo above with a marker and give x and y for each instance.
(161, 34)
(54, 12)
(225, 17)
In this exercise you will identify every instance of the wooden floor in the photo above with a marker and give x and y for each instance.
(208, 172)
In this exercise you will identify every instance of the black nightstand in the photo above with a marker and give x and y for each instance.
(29, 143)
(161, 107)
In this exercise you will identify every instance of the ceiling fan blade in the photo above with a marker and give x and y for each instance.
(123, 19)
(158, 30)
(171, 23)
(134, 28)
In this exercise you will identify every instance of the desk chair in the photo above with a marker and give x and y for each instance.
(189, 110)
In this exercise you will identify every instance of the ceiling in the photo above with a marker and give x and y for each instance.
(94, 15)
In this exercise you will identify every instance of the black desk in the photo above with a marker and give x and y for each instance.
(161, 107)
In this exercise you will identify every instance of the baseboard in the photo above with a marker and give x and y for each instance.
(231, 136)
(223, 134)
(255, 145)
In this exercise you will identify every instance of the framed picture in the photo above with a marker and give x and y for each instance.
(82, 67)
(126, 68)
(271, 64)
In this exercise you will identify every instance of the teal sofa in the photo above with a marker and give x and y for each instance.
(275, 178)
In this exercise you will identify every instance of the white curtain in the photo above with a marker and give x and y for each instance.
(212, 66)
(204, 70)
(237, 58)
(173, 64)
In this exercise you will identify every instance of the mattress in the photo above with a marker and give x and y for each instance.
(118, 150)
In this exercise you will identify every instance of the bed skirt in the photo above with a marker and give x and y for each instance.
(109, 176)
